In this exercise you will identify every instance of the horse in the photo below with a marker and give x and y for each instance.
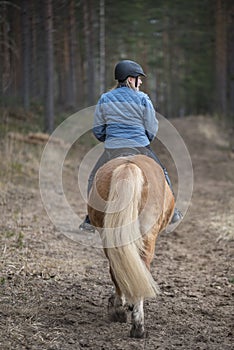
(129, 204)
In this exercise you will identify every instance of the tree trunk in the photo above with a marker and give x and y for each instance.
(49, 68)
(88, 37)
(221, 57)
(26, 53)
(231, 64)
(64, 68)
(34, 65)
(102, 48)
(167, 108)
(5, 53)
(72, 58)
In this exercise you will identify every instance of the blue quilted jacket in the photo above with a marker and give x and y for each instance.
(125, 118)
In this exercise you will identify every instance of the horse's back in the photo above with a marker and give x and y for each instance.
(157, 201)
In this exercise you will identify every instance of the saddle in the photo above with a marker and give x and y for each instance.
(123, 152)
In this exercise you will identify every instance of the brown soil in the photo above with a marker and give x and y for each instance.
(54, 291)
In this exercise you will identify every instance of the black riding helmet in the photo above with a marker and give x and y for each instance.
(127, 68)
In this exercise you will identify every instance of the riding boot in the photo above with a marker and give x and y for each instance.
(86, 225)
(168, 180)
(177, 214)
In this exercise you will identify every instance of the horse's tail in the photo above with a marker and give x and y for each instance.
(121, 235)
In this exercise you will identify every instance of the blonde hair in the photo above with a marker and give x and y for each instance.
(123, 83)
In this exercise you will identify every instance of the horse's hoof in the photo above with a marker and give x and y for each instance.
(138, 332)
(118, 316)
(111, 301)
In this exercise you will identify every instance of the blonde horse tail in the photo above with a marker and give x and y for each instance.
(122, 239)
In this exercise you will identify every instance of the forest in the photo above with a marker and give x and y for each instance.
(58, 56)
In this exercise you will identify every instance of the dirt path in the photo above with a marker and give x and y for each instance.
(54, 292)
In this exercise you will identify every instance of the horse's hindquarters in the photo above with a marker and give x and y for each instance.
(130, 203)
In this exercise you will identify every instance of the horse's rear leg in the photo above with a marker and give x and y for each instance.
(116, 309)
(137, 330)
(116, 305)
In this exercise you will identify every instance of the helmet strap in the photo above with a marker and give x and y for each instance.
(136, 82)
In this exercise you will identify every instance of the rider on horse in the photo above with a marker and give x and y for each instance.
(125, 120)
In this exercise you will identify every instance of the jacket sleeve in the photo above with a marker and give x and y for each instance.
(99, 126)
(150, 119)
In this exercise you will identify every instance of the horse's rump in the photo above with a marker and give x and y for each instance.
(156, 203)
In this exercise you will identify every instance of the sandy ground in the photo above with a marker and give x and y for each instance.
(54, 291)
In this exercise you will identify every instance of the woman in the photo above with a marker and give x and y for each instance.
(125, 121)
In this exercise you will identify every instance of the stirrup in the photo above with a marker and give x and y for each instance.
(86, 226)
(176, 216)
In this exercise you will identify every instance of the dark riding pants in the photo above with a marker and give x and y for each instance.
(109, 154)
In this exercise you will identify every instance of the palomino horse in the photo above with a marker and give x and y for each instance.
(130, 203)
